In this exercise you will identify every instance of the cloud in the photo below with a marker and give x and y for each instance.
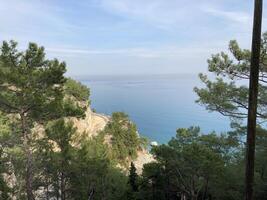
(139, 34)
(160, 13)
(234, 16)
(151, 53)
(175, 13)
(32, 21)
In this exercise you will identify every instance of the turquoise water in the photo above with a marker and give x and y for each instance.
(158, 104)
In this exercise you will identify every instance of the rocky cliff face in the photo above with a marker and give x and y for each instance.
(93, 123)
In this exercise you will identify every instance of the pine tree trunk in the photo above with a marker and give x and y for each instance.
(253, 95)
(62, 186)
(28, 153)
(205, 190)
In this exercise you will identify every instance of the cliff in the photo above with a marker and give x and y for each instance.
(93, 123)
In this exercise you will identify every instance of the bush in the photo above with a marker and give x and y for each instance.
(125, 140)
(77, 90)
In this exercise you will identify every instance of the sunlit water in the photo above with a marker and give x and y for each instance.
(157, 104)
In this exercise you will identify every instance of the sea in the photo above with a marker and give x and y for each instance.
(157, 104)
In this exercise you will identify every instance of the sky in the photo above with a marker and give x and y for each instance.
(117, 37)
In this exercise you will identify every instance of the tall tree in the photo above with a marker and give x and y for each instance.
(125, 140)
(61, 133)
(253, 98)
(31, 90)
(231, 97)
(133, 178)
(92, 172)
(194, 166)
(186, 167)
(228, 93)
(132, 183)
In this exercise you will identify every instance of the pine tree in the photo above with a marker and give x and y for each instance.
(61, 132)
(133, 176)
(132, 189)
(253, 98)
(31, 89)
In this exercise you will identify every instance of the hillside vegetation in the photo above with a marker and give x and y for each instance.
(52, 146)
(40, 157)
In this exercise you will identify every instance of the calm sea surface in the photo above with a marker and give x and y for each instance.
(157, 104)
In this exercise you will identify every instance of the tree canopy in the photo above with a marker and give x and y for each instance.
(39, 157)
(228, 93)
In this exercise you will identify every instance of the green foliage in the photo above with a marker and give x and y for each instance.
(85, 170)
(132, 183)
(34, 91)
(133, 178)
(4, 189)
(5, 144)
(153, 182)
(261, 164)
(92, 173)
(189, 166)
(125, 140)
(72, 108)
(61, 133)
(30, 84)
(228, 93)
(77, 90)
(56, 154)
(31, 92)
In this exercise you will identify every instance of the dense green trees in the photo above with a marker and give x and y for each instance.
(77, 90)
(32, 92)
(190, 166)
(39, 156)
(133, 181)
(228, 94)
(133, 178)
(210, 166)
(31, 88)
(202, 166)
(59, 133)
(4, 133)
(78, 173)
(124, 137)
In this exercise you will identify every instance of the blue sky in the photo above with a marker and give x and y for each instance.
(129, 36)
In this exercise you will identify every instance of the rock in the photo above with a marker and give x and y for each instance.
(143, 157)
(93, 123)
